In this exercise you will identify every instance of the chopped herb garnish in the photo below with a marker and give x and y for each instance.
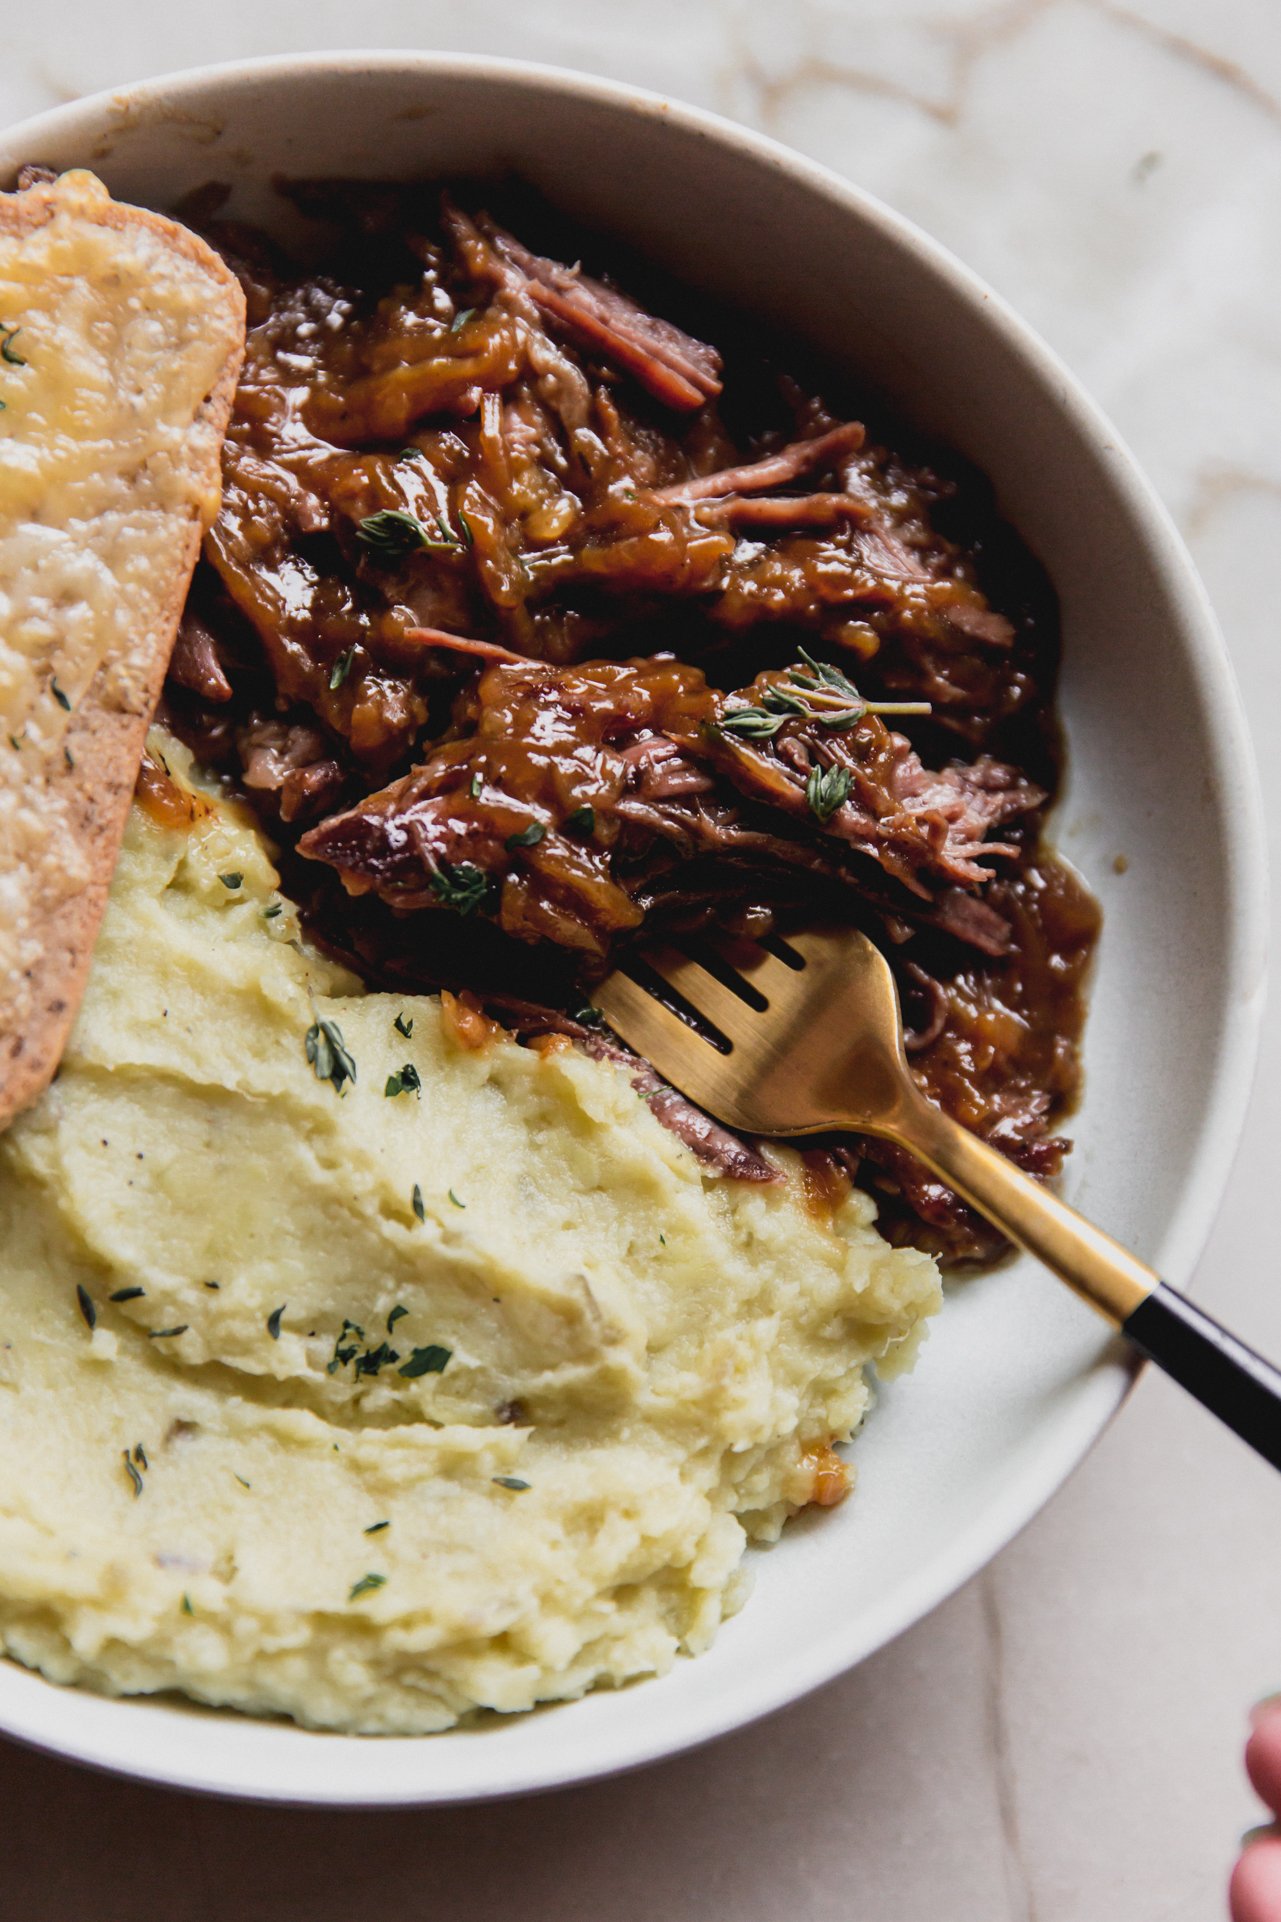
(827, 789)
(345, 1349)
(132, 1473)
(87, 1308)
(231, 881)
(366, 1585)
(410, 453)
(404, 1027)
(392, 534)
(341, 668)
(406, 1080)
(432, 1360)
(374, 1360)
(213, 1284)
(454, 1198)
(273, 1321)
(127, 1294)
(14, 741)
(167, 1334)
(582, 821)
(527, 838)
(587, 1016)
(187, 1609)
(464, 887)
(7, 337)
(68, 757)
(461, 319)
(140, 1455)
(464, 528)
(419, 1210)
(328, 1055)
(475, 785)
(269, 914)
(376, 1528)
(59, 694)
(663, 1239)
(243, 1482)
(510, 1481)
(398, 1313)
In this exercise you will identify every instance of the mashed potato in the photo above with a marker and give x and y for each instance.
(374, 1408)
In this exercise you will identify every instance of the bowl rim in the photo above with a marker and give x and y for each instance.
(1223, 1110)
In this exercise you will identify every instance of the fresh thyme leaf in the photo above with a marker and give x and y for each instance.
(376, 1528)
(827, 789)
(140, 1455)
(132, 1473)
(269, 914)
(406, 1080)
(753, 723)
(527, 838)
(589, 1016)
(464, 528)
(87, 1308)
(59, 694)
(242, 1481)
(366, 1586)
(166, 1334)
(410, 453)
(431, 1360)
(398, 1313)
(454, 1198)
(464, 887)
(341, 668)
(231, 881)
(213, 1284)
(392, 534)
(7, 337)
(404, 1027)
(273, 1321)
(328, 1054)
(15, 743)
(510, 1481)
(779, 701)
(460, 320)
(187, 1609)
(127, 1294)
(476, 785)
(581, 821)
(68, 756)
(419, 1210)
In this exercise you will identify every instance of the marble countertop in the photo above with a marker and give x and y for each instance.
(1061, 1741)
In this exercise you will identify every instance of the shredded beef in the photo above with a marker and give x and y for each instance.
(534, 624)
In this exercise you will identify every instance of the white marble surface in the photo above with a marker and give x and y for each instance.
(1060, 1743)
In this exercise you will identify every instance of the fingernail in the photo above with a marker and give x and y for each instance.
(1268, 1706)
(1265, 1832)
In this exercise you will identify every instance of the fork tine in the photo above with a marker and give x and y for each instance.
(760, 969)
(645, 1024)
(705, 994)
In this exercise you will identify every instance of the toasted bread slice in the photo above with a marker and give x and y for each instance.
(121, 337)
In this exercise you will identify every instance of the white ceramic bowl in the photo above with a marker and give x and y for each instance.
(1017, 1379)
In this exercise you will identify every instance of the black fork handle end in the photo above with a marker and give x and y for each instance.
(1223, 1374)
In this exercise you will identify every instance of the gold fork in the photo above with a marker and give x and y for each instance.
(809, 1039)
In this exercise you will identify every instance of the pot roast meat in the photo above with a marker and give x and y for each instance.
(533, 623)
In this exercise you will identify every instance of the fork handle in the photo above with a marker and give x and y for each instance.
(1223, 1374)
